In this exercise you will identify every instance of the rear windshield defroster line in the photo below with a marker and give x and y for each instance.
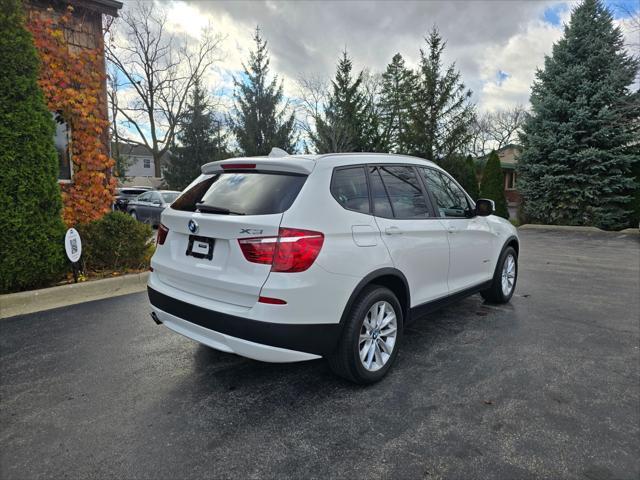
(242, 193)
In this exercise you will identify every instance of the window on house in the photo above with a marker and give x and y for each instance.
(510, 180)
(61, 140)
(146, 162)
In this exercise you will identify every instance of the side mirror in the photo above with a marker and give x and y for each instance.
(485, 207)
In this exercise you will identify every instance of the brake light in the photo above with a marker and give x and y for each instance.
(258, 250)
(162, 234)
(237, 166)
(293, 250)
(271, 301)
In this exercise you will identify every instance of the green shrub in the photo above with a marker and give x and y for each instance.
(32, 247)
(492, 185)
(115, 242)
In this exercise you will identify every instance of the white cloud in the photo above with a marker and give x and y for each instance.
(496, 45)
(519, 57)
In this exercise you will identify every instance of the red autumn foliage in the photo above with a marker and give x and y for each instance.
(72, 81)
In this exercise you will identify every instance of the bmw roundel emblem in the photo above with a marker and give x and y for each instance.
(193, 226)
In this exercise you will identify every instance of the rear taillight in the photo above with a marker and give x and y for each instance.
(293, 250)
(259, 250)
(162, 234)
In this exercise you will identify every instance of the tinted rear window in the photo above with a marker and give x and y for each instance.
(243, 193)
(405, 193)
(132, 191)
(349, 188)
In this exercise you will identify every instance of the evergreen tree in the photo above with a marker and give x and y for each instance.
(348, 123)
(580, 143)
(492, 185)
(32, 249)
(471, 182)
(398, 83)
(442, 114)
(202, 140)
(260, 121)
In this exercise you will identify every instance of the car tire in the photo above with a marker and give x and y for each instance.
(133, 214)
(363, 333)
(504, 278)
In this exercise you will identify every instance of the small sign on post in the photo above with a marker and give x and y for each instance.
(73, 247)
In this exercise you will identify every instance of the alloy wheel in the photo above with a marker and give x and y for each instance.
(508, 275)
(378, 335)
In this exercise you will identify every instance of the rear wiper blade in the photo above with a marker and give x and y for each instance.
(203, 207)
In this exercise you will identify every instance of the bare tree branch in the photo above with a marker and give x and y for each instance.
(494, 130)
(155, 71)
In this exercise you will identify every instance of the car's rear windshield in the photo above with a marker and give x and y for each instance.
(242, 193)
(132, 191)
(169, 197)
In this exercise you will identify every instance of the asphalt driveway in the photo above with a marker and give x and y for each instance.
(545, 387)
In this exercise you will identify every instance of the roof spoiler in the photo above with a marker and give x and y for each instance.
(278, 164)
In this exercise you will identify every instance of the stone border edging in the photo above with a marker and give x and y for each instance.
(32, 301)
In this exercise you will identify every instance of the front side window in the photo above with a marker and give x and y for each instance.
(451, 199)
(145, 197)
(349, 188)
(405, 192)
(242, 193)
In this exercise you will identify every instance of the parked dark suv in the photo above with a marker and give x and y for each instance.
(125, 194)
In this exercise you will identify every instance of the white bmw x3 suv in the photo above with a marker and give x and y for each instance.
(283, 259)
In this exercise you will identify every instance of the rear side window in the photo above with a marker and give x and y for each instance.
(405, 192)
(349, 188)
(381, 204)
(242, 193)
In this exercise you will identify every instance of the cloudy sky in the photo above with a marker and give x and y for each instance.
(497, 45)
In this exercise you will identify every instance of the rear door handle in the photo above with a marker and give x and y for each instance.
(392, 231)
(452, 230)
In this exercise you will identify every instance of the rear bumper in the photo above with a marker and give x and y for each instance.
(265, 341)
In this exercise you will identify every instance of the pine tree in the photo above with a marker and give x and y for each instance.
(492, 185)
(442, 114)
(580, 141)
(202, 140)
(32, 249)
(463, 170)
(348, 124)
(471, 182)
(398, 83)
(260, 121)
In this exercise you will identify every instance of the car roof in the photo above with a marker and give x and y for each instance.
(356, 158)
(305, 163)
(168, 191)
